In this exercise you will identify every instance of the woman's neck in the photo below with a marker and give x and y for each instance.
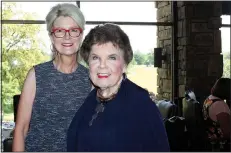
(66, 64)
(110, 91)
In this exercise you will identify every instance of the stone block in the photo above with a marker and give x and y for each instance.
(215, 65)
(202, 10)
(159, 90)
(162, 4)
(195, 50)
(180, 28)
(160, 43)
(214, 23)
(200, 27)
(217, 47)
(159, 96)
(200, 65)
(181, 80)
(186, 28)
(197, 73)
(181, 13)
(179, 47)
(180, 3)
(181, 90)
(164, 11)
(167, 42)
(189, 11)
(161, 28)
(163, 73)
(180, 55)
(165, 34)
(166, 95)
(182, 41)
(182, 64)
(167, 27)
(159, 81)
(217, 8)
(202, 39)
(169, 73)
(189, 65)
(164, 65)
(170, 19)
(167, 85)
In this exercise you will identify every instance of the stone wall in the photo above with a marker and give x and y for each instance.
(198, 45)
(164, 40)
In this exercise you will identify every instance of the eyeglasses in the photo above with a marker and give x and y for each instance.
(61, 32)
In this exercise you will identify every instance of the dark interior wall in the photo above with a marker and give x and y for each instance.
(226, 7)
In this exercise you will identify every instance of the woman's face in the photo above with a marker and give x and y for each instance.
(66, 45)
(106, 65)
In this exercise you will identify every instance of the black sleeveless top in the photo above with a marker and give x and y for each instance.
(58, 97)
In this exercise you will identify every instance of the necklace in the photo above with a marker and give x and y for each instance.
(112, 96)
(102, 99)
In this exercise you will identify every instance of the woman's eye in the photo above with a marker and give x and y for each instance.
(59, 30)
(94, 57)
(112, 58)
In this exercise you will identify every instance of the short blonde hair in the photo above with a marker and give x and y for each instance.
(65, 9)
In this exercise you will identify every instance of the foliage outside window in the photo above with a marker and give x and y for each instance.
(21, 49)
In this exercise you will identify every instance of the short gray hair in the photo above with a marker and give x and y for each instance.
(65, 9)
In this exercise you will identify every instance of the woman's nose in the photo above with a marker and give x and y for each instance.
(102, 63)
(67, 35)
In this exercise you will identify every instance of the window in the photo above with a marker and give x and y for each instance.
(226, 48)
(119, 11)
(142, 37)
(37, 10)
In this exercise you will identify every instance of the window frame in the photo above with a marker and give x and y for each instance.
(172, 24)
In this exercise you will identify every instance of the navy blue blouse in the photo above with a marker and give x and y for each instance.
(130, 122)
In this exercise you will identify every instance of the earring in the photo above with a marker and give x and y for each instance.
(52, 48)
(124, 76)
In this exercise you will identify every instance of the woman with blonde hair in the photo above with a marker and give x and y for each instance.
(53, 91)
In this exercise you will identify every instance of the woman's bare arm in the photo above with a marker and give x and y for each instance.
(24, 111)
(224, 121)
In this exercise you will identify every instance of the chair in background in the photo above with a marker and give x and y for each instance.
(192, 112)
(167, 109)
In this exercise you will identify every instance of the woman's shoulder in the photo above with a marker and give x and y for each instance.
(84, 71)
(138, 94)
(136, 89)
(219, 107)
(43, 66)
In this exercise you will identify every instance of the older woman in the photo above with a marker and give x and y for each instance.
(53, 91)
(118, 115)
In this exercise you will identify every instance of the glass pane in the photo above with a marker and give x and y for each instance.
(33, 10)
(23, 46)
(225, 39)
(119, 11)
(225, 19)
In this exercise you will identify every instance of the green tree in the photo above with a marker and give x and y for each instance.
(20, 51)
(226, 65)
(139, 58)
(149, 58)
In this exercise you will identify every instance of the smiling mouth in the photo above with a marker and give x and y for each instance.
(67, 44)
(102, 75)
